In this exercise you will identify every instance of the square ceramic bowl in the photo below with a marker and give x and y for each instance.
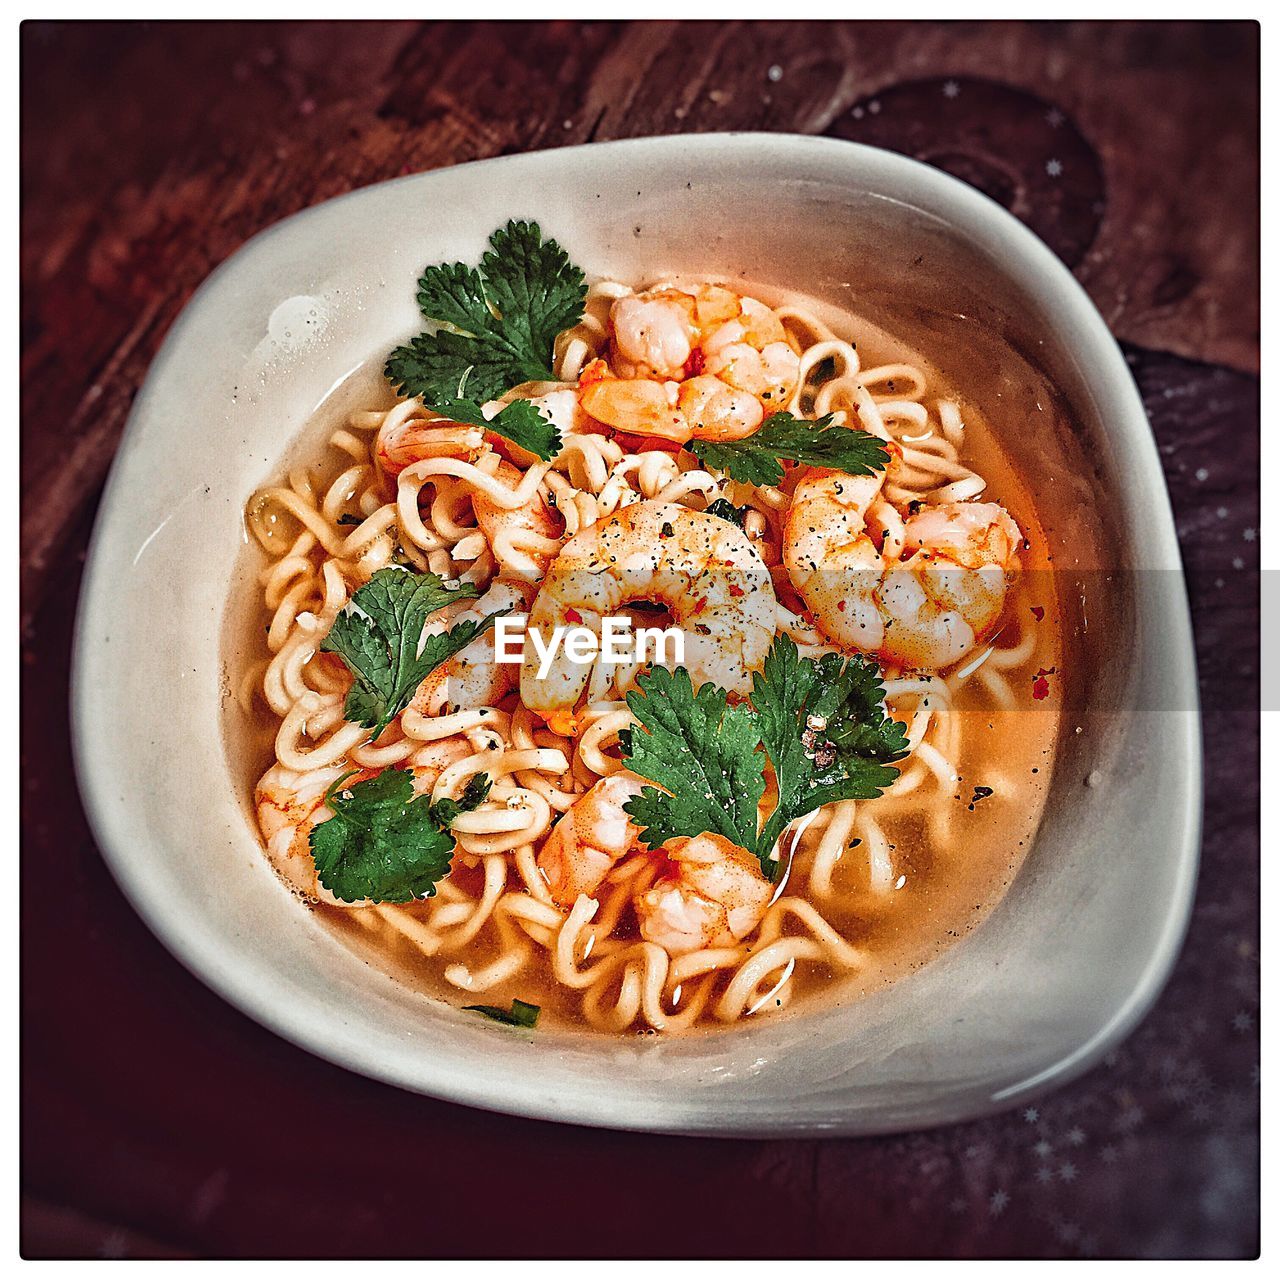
(1083, 941)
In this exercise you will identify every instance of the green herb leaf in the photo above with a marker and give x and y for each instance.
(821, 724)
(756, 459)
(383, 843)
(520, 1014)
(725, 509)
(826, 732)
(521, 422)
(474, 794)
(379, 636)
(493, 326)
(703, 752)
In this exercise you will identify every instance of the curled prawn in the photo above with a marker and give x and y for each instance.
(923, 605)
(404, 439)
(532, 530)
(410, 433)
(706, 365)
(712, 894)
(473, 677)
(592, 835)
(705, 571)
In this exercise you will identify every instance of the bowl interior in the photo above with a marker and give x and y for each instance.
(1088, 930)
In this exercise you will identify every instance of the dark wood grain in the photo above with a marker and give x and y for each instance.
(180, 142)
(156, 1119)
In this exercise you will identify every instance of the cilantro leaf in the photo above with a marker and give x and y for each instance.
(521, 422)
(826, 732)
(821, 725)
(379, 636)
(534, 286)
(521, 1013)
(474, 794)
(756, 459)
(493, 326)
(702, 751)
(383, 843)
(440, 365)
(725, 509)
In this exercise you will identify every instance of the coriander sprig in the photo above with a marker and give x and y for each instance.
(521, 422)
(821, 725)
(758, 458)
(493, 327)
(379, 636)
(383, 842)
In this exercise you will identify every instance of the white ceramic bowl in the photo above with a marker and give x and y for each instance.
(1082, 943)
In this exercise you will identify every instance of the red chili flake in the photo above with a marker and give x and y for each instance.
(1037, 613)
(698, 605)
(736, 591)
(840, 605)
(573, 615)
(695, 363)
(1040, 683)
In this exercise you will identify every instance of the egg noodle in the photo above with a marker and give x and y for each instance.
(494, 923)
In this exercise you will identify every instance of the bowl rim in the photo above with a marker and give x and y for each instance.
(199, 954)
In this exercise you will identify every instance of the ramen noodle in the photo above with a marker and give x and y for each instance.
(551, 898)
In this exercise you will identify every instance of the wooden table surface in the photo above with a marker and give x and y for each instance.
(156, 1119)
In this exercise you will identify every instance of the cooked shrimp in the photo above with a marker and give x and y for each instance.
(707, 573)
(410, 433)
(712, 895)
(402, 441)
(703, 408)
(714, 409)
(663, 333)
(473, 677)
(966, 553)
(592, 835)
(653, 333)
(708, 365)
(561, 408)
(751, 352)
(290, 804)
(925, 611)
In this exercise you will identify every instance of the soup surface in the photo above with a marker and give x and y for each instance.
(601, 845)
